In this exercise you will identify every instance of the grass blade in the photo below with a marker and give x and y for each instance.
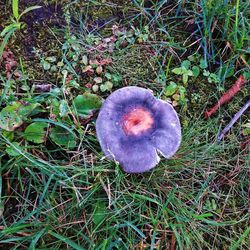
(30, 9)
(15, 5)
(66, 240)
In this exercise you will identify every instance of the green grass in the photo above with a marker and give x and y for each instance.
(198, 199)
(54, 197)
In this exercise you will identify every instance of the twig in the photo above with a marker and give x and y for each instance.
(235, 118)
(227, 96)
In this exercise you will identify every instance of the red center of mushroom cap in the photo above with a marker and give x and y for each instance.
(137, 121)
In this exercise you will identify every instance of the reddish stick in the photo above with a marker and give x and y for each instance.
(227, 96)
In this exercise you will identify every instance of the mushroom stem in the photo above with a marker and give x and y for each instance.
(231, 123)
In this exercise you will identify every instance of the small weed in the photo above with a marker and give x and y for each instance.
(15, 25)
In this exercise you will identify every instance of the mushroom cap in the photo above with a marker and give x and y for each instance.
(133, 125)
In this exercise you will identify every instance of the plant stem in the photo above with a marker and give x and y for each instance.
(231, 123)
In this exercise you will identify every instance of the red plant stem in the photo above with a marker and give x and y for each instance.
(226, 97)
(235, 118)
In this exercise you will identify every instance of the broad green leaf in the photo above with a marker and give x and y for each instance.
(85, 104)
(196, 71)
(55, 123)
(15, 7)
(189, 73)
(171, 89)
(62, 137)
(36, 132)
(185, 78)
(12, 116)
(10, 119)
(178, 71)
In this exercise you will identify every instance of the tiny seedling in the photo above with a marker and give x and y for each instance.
(184, 71)
(15, 24)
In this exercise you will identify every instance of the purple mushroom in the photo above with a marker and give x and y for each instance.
(133, 126)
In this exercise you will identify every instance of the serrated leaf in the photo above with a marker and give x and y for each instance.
(62, 137)
(85, 104)
(36, 132)
(171, 89)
